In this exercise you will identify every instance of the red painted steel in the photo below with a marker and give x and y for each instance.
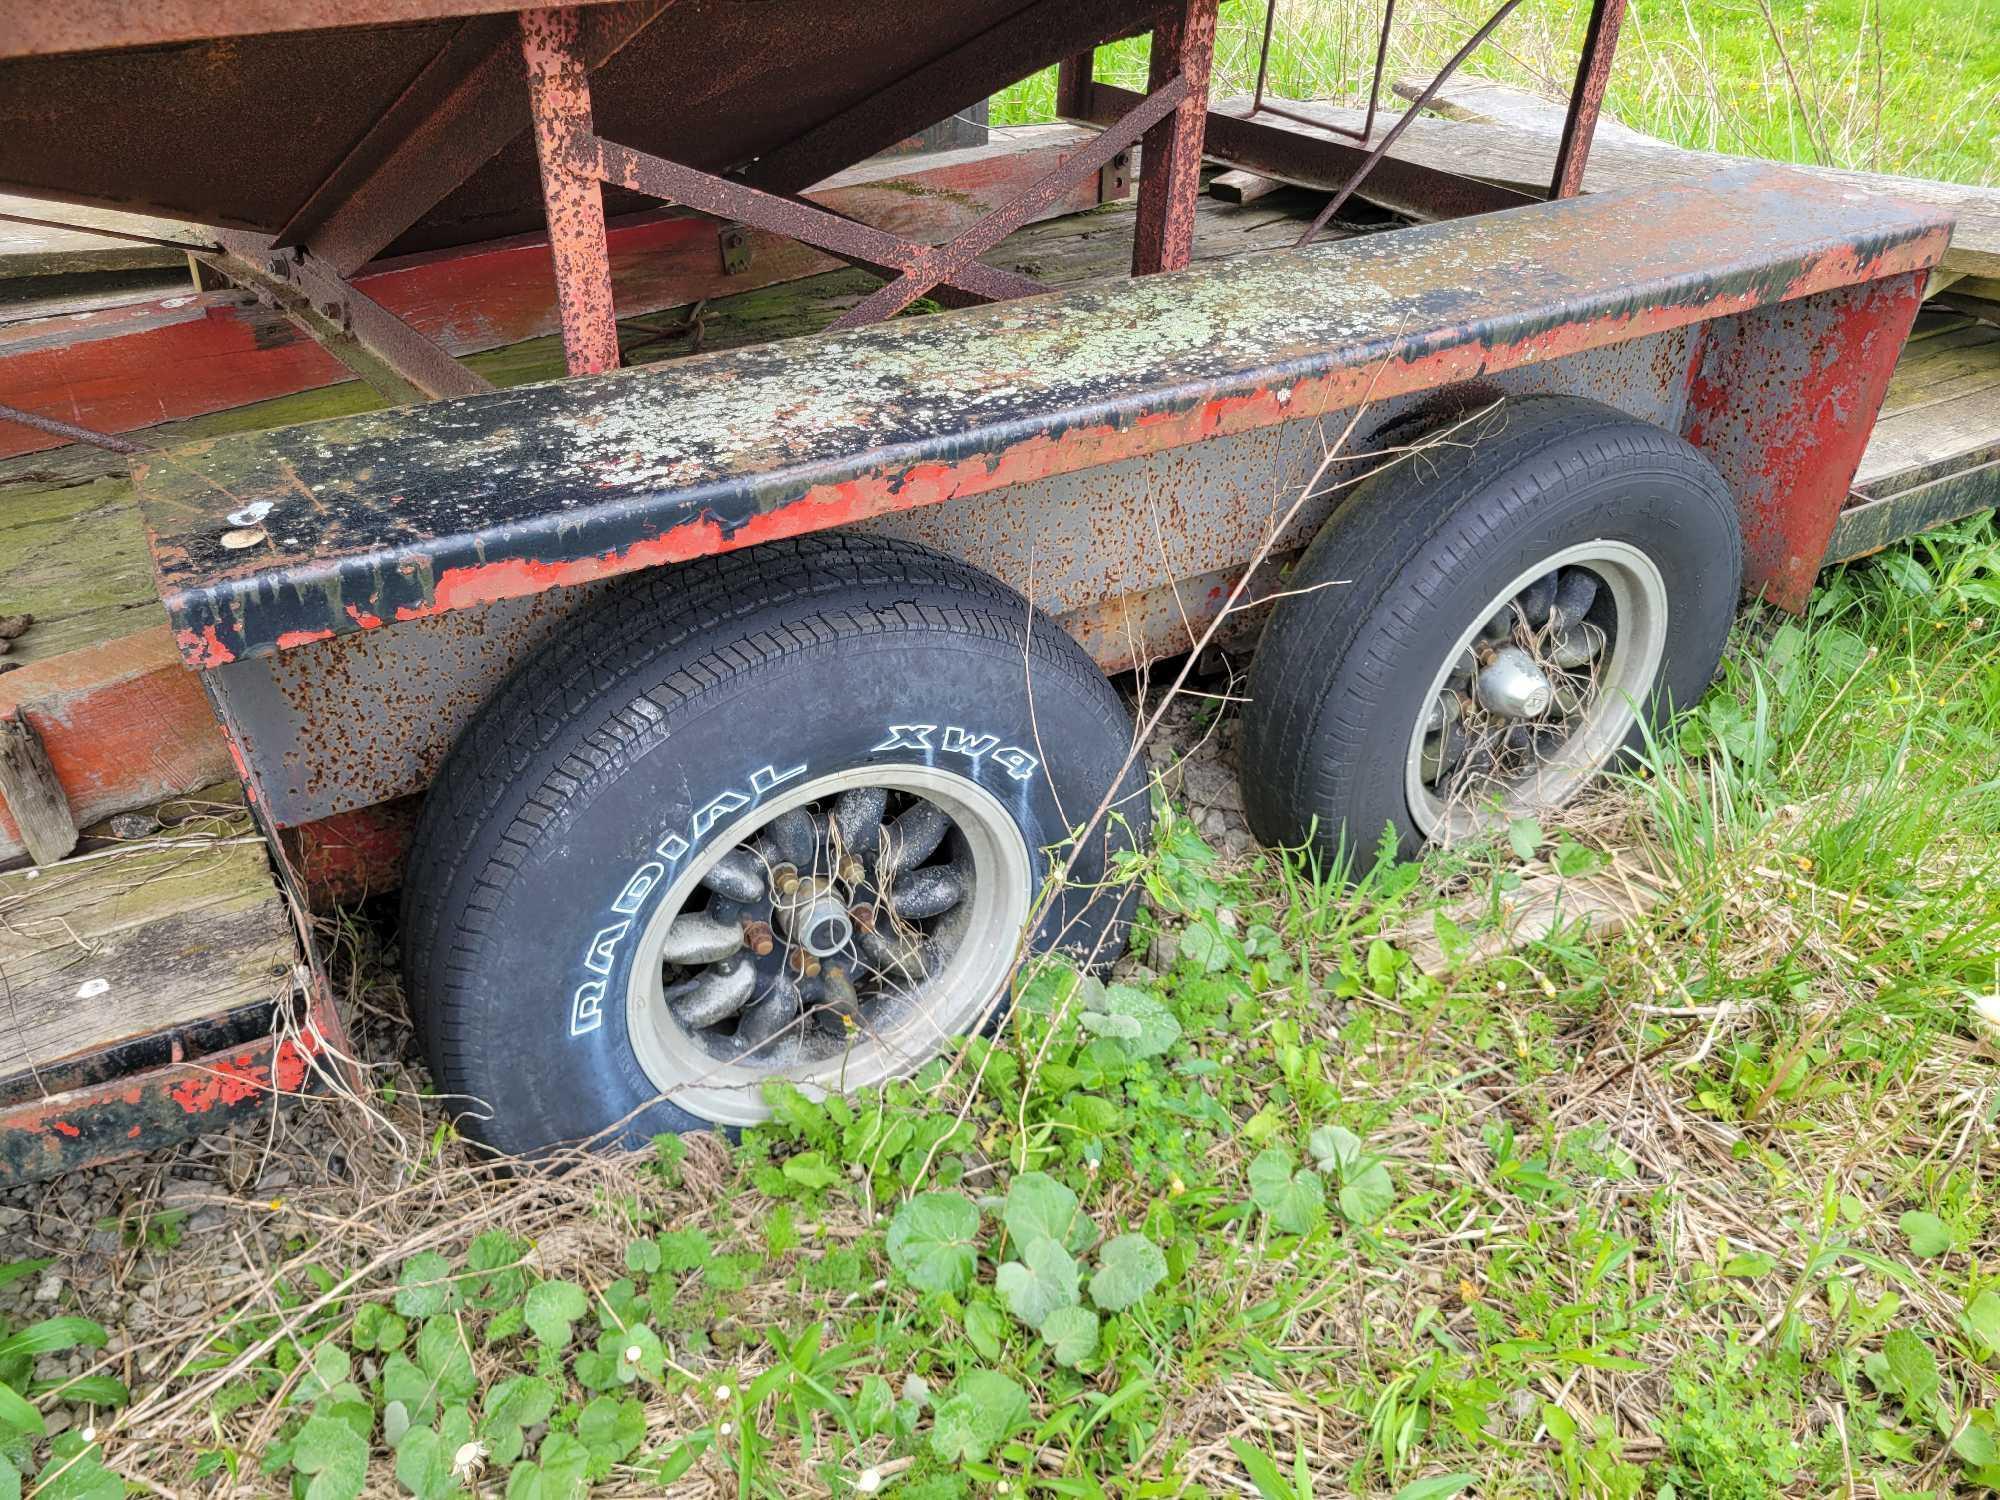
(1586, 100)
(559, 100)
(1782, 399)
(111, 1117)
(1170, 159)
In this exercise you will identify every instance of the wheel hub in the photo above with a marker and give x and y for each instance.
(834, 938)
(1540, 691)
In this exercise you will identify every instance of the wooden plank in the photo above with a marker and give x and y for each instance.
(110, 947)
(33, 796)
(1519, 157)
(36, 250)
(1941, 368)
(1484, 101)
(1926, 442)
(1874, 524)
(1241, 187)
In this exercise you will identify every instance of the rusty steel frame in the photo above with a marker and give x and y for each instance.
(1394, 132)
(577, 163)
(376, 344)
(1586, 102)
(1259, 107)
(1170, 156)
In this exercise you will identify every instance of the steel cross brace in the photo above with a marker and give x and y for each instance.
(576, 162)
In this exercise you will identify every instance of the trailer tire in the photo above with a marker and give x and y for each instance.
(582, 855)
(1380, 635)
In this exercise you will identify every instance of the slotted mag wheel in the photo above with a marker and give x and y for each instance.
(834, 937)
(1540, 691)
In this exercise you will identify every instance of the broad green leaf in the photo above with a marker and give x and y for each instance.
(1071, 1333)
(330, 1367)
(642, 1257)
(931, 1242)
(551, 1307)
(337, 1459)
(376, 1327)
(984, 1329)
(442, 1355)
(1039, 1207)
(425, 1287)
(1107, 1023)
(1982, 1320)
(1927, 1233)
(1525, 836)
(1296, 1201)
(1157, 1028)
(52, 1336)
(684, 1250)
(1368, 1194)
(874, 1405)
(1334, 1148)
(423, 1465)
(10, 1479)
(75, 1471)
(1128, 1267)
(18, 1413)
(983, 1411)
(611, 1430)
(809, 1169)
(1912, 1368)
(635, 1352)
(1043, 1280)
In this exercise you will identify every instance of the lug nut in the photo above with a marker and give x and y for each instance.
(759, 938)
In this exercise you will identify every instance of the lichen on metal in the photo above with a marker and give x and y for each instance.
(403, 514)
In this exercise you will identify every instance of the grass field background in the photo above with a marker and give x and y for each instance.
(1903, 86)
(1330, 1190)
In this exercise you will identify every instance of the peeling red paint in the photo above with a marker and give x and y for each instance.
(204, 648)
(65, 1127)
(291, 638)
(361, 617)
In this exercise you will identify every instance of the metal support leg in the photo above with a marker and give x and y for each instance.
(1170, 157)
(559, 97)
(1593, 75)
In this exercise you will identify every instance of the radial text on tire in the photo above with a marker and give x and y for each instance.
(778, 814)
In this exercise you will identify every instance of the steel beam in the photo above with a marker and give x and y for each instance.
(641, 172)
(559, 101)
(1014, 48)
(1170, 159)
(1586, 100)
(350, 325)
(454, 118)
(1319, 162)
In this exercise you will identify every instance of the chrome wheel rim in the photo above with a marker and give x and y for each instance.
(832, 959)
(1537, 694)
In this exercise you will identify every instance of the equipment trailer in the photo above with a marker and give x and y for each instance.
(741, 715)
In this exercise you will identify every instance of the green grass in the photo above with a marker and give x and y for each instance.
(1904, 86)
(1704, 1206)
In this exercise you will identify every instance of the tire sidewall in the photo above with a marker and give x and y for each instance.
(567, 925)
(1397, 652)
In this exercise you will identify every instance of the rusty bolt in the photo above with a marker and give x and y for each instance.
(759, 937)
(863, 916)
(784, 879)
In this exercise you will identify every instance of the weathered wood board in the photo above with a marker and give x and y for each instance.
(109, 947)
(1521, 154)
